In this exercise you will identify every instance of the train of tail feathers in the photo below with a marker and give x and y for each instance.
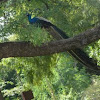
(58, 34)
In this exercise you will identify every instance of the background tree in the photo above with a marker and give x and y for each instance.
(55, 76)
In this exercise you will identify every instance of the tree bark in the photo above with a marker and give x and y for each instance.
(26, 49)
(1, 97)
(3, 0)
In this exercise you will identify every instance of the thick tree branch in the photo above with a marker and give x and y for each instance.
(3, 0)
(26, 49)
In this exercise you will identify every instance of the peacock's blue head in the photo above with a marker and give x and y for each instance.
(32, 20)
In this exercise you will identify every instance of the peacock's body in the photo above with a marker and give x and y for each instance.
(78, 54)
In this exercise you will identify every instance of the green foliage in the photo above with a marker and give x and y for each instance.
(55, 76)
(94, 3)
(94, 51)
(35, 35)
(92, 92)
(71, 82)
(8, 81)
(34, 68)
(68, 82)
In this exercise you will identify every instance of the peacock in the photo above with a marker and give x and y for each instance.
(58, 34)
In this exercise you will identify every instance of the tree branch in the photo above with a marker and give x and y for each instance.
(26, 49)
(3, 0)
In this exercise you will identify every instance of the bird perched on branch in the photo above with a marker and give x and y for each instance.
(58, 34)
(42, 22)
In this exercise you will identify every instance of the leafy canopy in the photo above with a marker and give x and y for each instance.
(73, 17)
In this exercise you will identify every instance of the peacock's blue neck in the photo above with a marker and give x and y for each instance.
(32, 20)
(29, 18)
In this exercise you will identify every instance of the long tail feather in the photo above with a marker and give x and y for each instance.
(78, 54)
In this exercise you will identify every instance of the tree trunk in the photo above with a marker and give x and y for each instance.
(1, 97)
